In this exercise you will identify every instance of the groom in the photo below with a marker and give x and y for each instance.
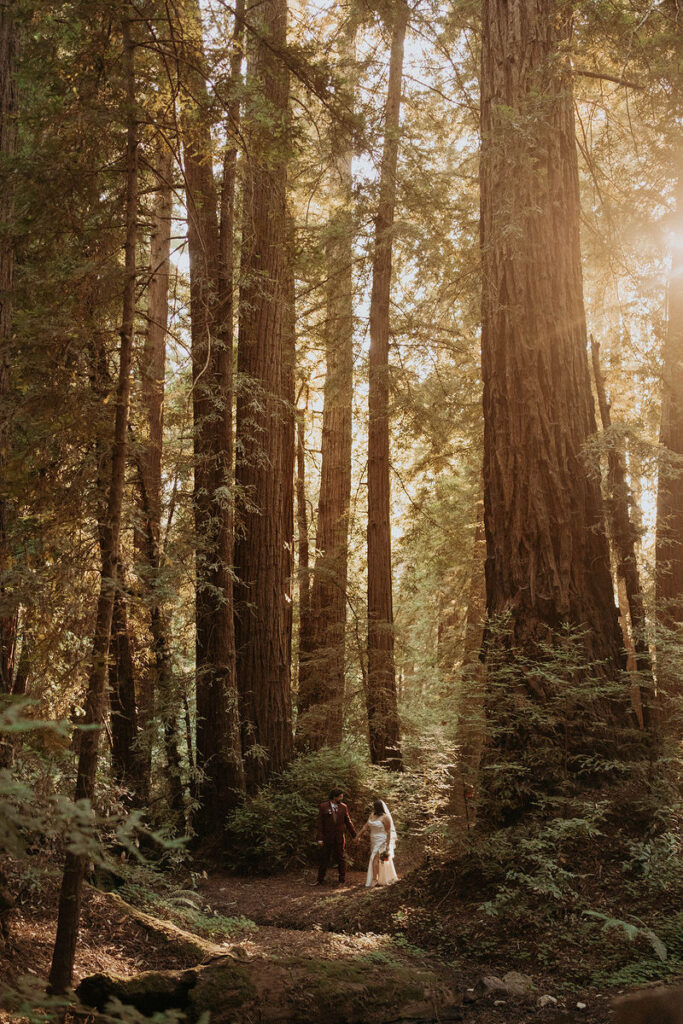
(333, 819)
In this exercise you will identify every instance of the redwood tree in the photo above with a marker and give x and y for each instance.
(669, 548)
(547, 563)
(264, 465)
(8, 135)
(72, 880)
(381, 690)
(323, 648)
(218, 743)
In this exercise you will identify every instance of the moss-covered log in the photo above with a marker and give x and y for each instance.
(186, 944)
(291, 989)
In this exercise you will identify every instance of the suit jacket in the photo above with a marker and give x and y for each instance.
(331, 827)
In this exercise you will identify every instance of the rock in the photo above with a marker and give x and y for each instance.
(517, 984)
(489, 985)
(547, 1001)
(580, 1006)
(662, 1004)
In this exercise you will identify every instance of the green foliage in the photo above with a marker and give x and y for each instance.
(157, 895)
(275, 829)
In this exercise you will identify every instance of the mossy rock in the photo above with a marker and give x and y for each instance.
(151, 992)
(296, 990)
(220, 990)
(357, 992)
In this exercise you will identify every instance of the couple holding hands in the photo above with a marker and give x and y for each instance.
(333, 820)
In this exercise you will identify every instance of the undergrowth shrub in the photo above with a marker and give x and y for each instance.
(275, 829)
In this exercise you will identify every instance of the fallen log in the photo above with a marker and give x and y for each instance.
(289, 989)
(187, 944)
(659, 1005)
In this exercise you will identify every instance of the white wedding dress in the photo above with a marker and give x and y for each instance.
(378, 843)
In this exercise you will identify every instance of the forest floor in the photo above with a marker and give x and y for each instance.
(287, 920)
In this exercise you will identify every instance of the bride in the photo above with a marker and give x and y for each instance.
(380, 825)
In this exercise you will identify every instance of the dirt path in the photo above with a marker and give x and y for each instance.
(287, 901)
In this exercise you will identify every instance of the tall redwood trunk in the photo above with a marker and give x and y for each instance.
(669, 545)
(381, 696)
(624, 538)
(323, 650)
(8, 136)
(218, 741)
(72, 881)
(547, 553)
(263, 467)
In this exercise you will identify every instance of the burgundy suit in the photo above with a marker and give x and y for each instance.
(332, 835)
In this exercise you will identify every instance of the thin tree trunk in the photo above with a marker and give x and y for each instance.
(159, 695)
(385, 744)
(262, 466)
(625, 538)
(124, 718)
(669, 543)
(323, 648)
(26, 655)
(218, 738)
(8, 136)
(302, 534)
(72, 881)
(547, 552)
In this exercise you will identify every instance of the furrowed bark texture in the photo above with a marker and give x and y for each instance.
(263, 467)
(383, 723)
(669, 544)
(323, 648)
(547, 563)
(625, 537)
(8, 137)
(72, 881)
(218, 742)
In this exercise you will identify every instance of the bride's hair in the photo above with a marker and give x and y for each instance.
(378, 808)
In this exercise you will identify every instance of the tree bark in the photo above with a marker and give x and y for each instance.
(624, 538)
(263, 467)
(304, 579)
(124, 717)
(72, 881)
(323, 648)
(471, 727)
(158, 693)
(547, 564)
(669, 542)
(218, 740)
(8, 137)
(384, 730)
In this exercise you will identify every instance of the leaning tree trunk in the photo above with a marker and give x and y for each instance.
(72, 881)
(383, 723)
(624, 538)
(322, 655)
(263, 467)
(547, 564)
(218, 740)
(669, 544)
(8, 137)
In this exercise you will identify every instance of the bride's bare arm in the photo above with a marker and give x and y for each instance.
(387, 826)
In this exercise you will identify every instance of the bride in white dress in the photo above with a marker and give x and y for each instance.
(380, 825)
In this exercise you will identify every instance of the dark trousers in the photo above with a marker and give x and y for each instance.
(333, 851)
